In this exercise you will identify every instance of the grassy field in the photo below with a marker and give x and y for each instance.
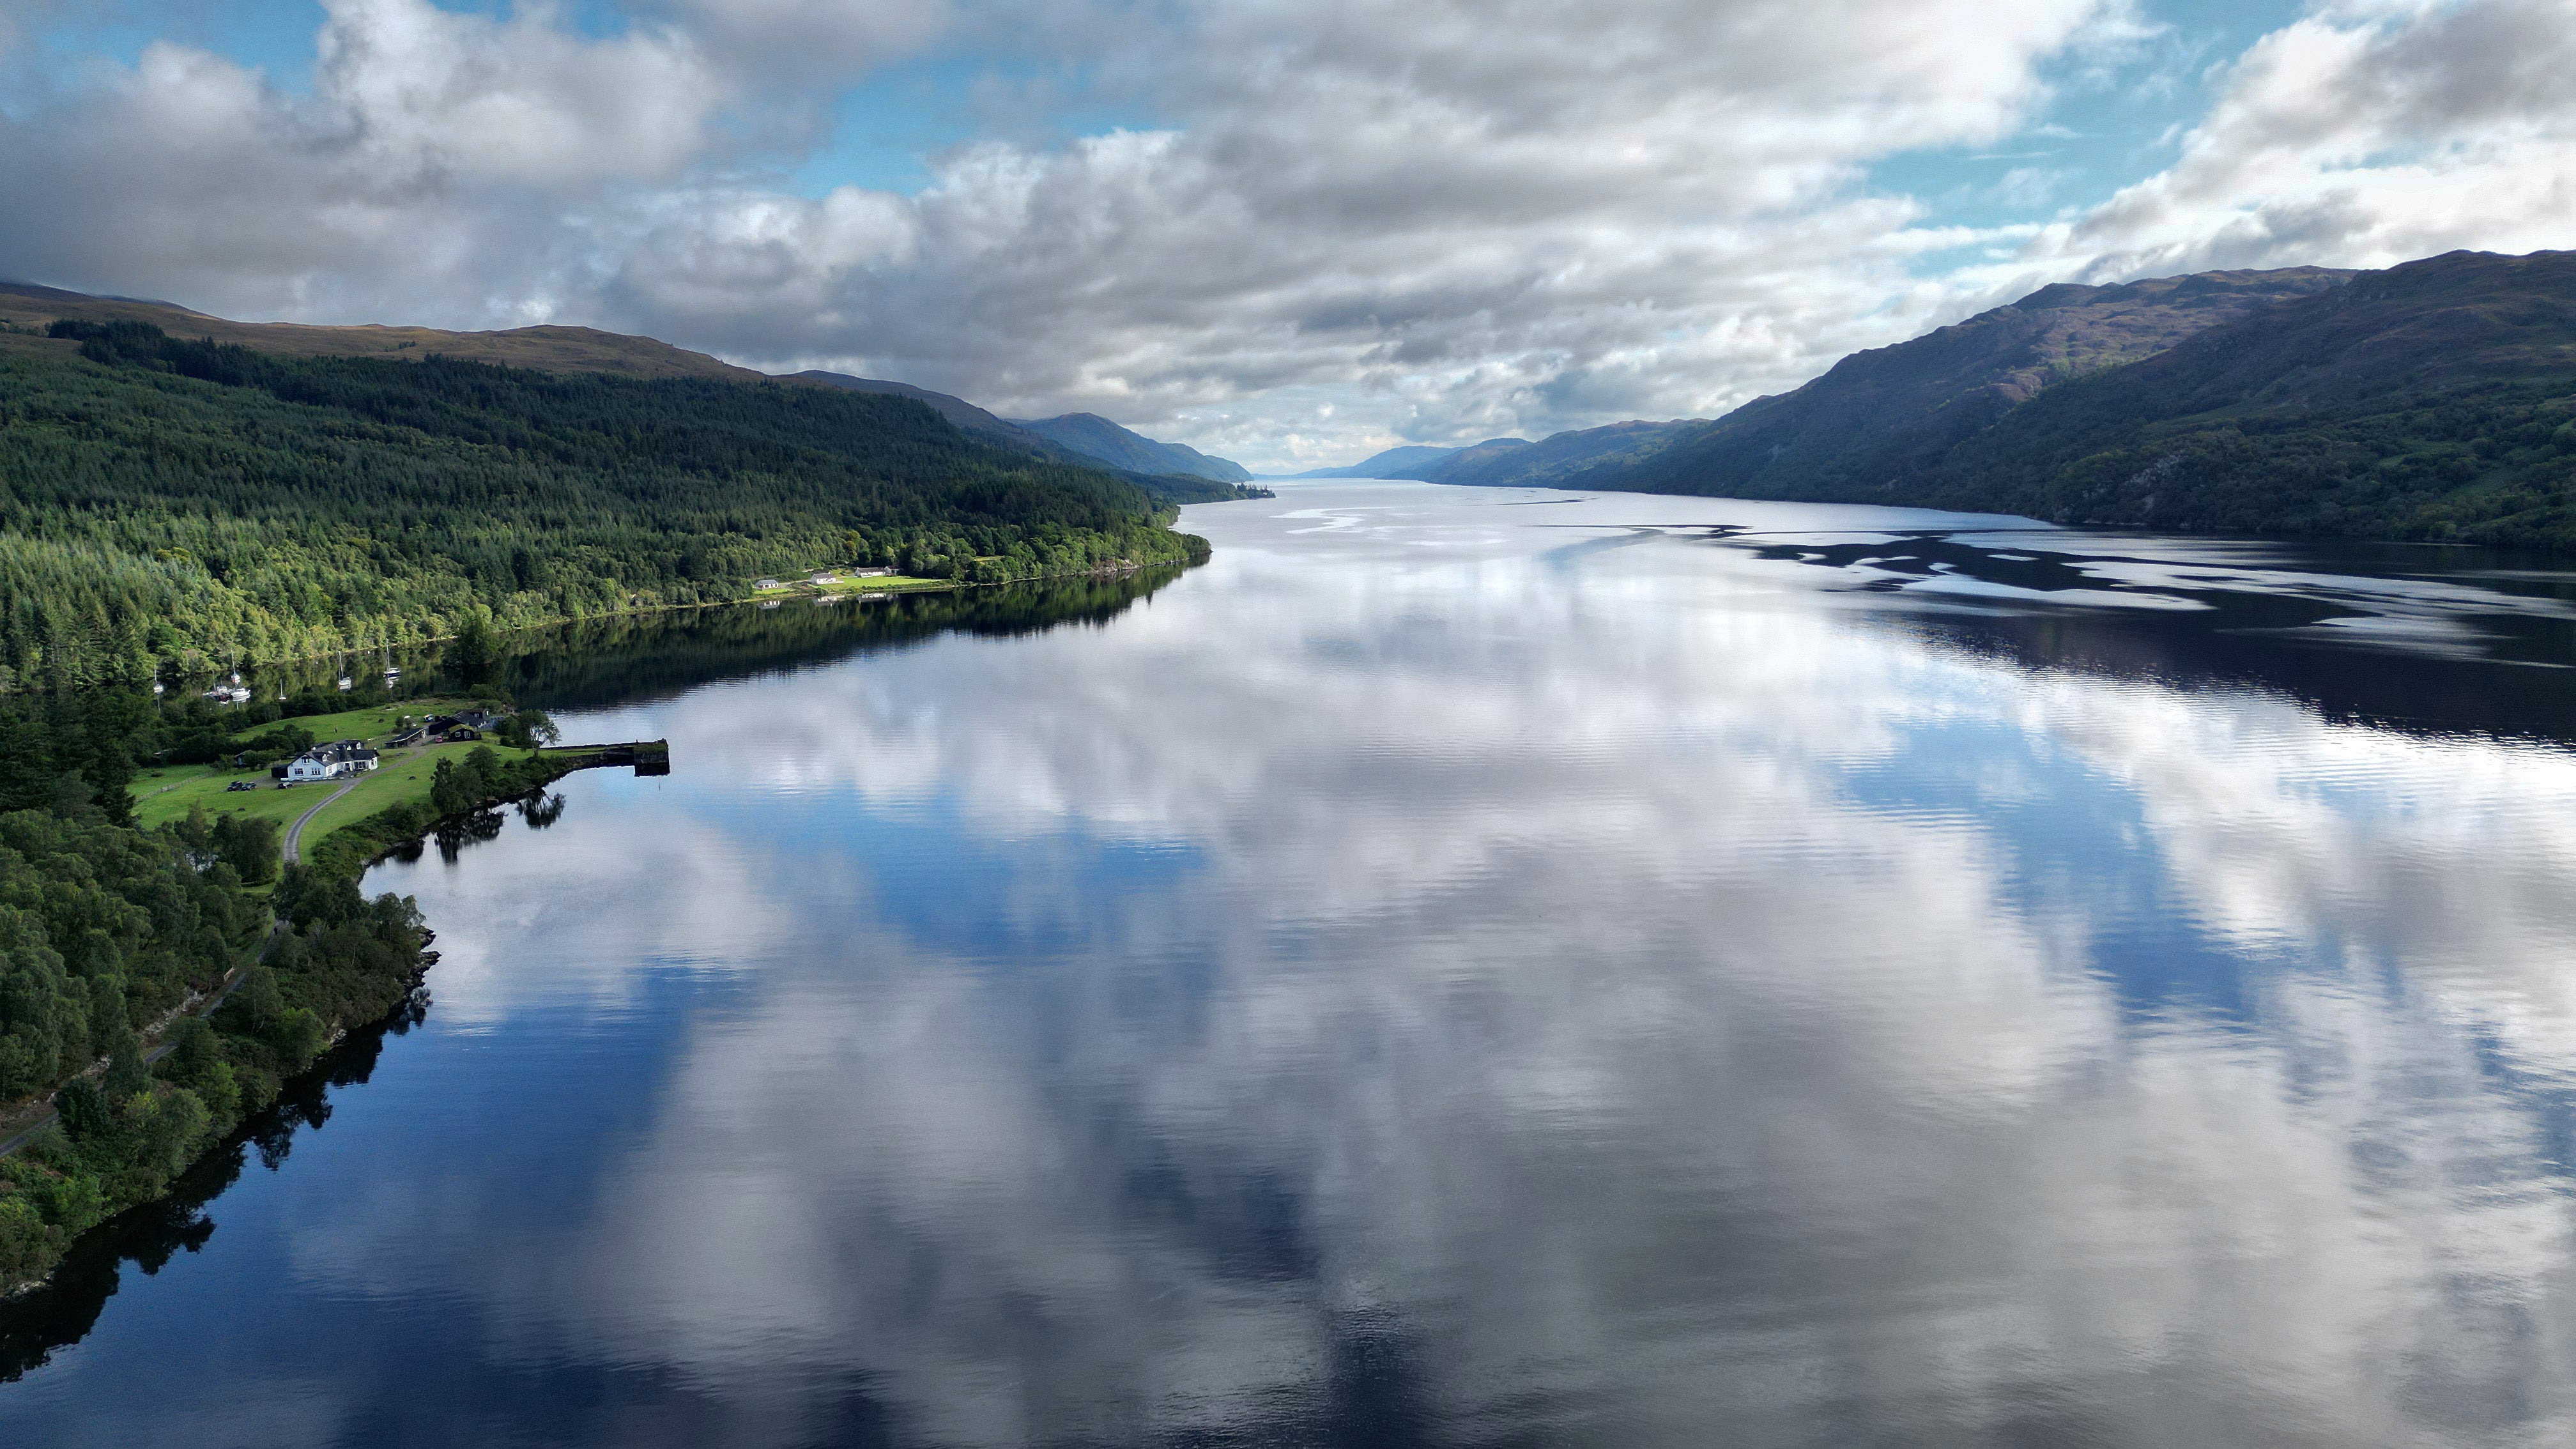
(165, 794)
(365, 724)
(884, 583)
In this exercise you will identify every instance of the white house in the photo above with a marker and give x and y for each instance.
(331, 762)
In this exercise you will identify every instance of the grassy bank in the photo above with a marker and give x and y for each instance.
(363, 827)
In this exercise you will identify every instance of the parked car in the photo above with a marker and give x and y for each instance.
(243, 785)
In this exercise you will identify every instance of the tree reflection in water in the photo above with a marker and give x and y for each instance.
(62, 1311)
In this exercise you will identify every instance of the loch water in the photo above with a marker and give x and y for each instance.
(1463, 967)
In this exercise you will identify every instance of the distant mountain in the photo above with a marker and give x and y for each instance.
(2432, 400)
(1154, 470)
(1562, 460)
(1095, 436)
(1403, 462)
(545, 349)
(955, 409)
(1891, 412)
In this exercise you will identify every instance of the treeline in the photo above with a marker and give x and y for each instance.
(2493, 466)
(106, 931)
(173, 504)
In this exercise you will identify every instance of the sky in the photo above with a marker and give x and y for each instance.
(1287, 233)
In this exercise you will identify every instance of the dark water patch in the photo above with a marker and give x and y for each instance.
(2394, 635)
(632, 658)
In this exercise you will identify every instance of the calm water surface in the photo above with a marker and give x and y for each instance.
(1465, 967)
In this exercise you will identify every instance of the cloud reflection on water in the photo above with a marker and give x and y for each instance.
(1619, 994)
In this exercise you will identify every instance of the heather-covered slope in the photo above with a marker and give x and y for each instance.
(543, 349)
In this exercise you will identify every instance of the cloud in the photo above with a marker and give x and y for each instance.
(1443, 215)
(2364, 134)
(423, 174)
(1446, 220)
(1451, 216)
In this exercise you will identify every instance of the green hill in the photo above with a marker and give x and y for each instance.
(1890, 413)
(181, 503)
(2432, 400)
(2436, 399)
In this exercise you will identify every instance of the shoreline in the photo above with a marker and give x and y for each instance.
(360, 845)
(767, 598)
(44, 1155)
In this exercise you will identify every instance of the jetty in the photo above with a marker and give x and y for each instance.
(648, 757)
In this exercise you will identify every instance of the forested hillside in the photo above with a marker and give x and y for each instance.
(106, 931)
(166, 502)
(2433, 400)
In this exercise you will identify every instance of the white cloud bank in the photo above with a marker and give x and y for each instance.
(1350, 224)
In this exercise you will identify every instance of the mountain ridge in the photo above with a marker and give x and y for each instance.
(1884, 411)
(955, 409)
(547, 348)
(1391, 463)
(1095, 436)
(1560, 460)
(562, 349)
(2435, 399)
